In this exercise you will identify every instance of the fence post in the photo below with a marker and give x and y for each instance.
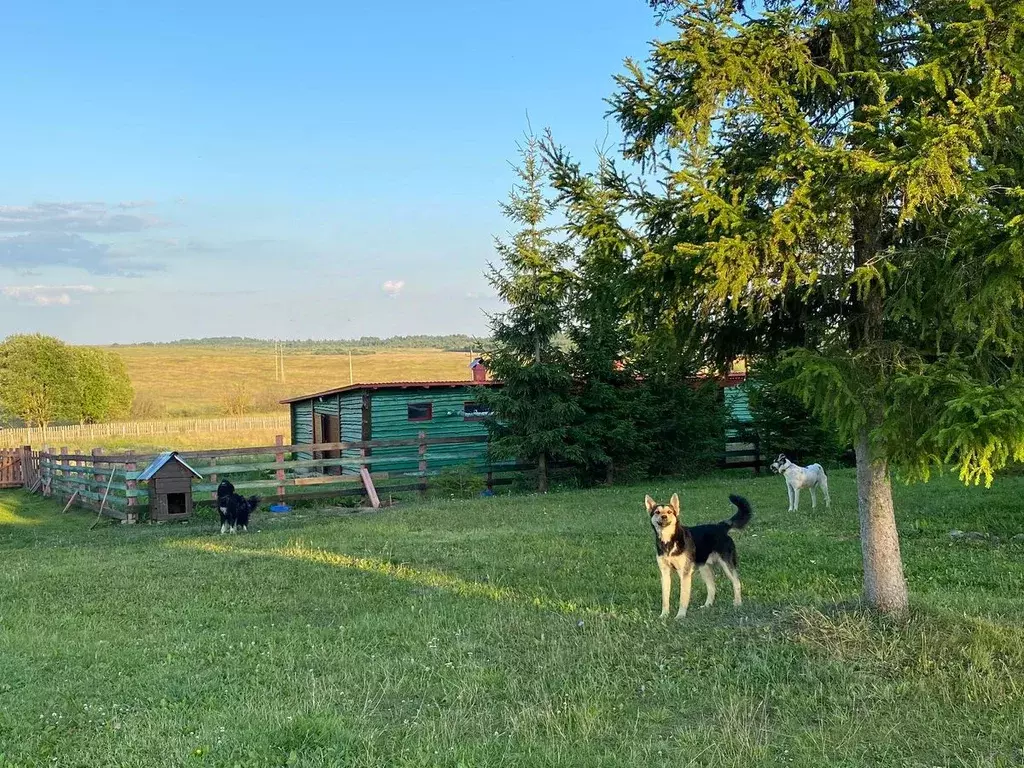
(131, 515)
(65, 476)
(757, 454)
(279, 458)
(213, 478)
(27, 480)
(97, 470)
(48, 475)
(423, 462)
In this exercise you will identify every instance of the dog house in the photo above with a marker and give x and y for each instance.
(169, 481)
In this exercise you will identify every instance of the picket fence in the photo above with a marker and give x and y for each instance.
(85, 434)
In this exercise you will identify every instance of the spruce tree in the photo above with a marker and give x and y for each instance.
(534, 411)
(842, 180)
(597, 327)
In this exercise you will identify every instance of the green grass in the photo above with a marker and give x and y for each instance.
(509, 631)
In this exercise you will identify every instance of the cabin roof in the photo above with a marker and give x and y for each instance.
(392, 385)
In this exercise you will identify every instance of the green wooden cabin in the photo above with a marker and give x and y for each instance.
(394, 411)
(401, 410)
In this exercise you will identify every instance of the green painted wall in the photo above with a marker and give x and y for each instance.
(390, 421)
(390, 410)
(737, 406)
(302, 426)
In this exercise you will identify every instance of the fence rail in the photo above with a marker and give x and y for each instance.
(83, 434)
(111, 481)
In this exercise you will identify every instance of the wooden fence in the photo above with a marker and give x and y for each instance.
(271, 472)
(98, 480)
(84, 434)
(11, 474)
(743, 452)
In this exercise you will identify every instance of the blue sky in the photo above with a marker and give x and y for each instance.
(280, 169)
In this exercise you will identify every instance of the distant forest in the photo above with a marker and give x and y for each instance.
(450, 343)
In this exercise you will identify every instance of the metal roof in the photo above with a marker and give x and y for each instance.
(393, 385)
(160, 461)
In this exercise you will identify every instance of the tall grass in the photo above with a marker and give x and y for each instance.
(203, 381)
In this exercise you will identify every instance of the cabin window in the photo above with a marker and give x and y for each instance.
(421, 411)
(475, 411)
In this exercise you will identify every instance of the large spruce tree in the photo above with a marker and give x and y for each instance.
(843, 178)
(534, 411)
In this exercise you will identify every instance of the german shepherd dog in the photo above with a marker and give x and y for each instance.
(234, 509)
(680, 548)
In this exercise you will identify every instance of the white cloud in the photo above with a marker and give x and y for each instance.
(47, 295)
(393, 287)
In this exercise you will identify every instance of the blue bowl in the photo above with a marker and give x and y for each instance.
(280, 509)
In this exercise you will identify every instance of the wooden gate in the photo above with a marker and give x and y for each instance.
(10, 469)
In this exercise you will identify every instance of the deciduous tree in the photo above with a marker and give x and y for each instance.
(38, 379)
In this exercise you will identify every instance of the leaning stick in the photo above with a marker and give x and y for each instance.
(104, 502)
(70, 501)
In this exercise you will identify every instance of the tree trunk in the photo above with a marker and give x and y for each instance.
(885, 588)
(542, 460)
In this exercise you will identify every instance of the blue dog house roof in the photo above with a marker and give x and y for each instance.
(160, 461)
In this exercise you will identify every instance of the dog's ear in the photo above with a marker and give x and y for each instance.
(674, 502)
(650, 503)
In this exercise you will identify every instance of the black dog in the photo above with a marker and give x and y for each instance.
(682, 548)
(224, 492)
(234, 509)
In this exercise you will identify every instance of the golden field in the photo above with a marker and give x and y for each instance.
(204, 381)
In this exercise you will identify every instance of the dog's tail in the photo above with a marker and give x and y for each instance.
(743, 512)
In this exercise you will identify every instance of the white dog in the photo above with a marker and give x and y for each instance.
(798, 477)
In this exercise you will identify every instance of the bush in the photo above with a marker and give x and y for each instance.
(459, 482)
(239, 400)
(147, 407)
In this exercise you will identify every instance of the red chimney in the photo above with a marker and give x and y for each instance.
(479, 369)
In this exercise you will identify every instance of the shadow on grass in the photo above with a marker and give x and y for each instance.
(422, 577)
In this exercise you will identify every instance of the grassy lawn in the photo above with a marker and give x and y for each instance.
(509, 631)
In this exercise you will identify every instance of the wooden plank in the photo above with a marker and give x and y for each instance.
(235, 469)
(295, 448)
(279, 459)
(367, 426)
(368, 484)
(302, 482)
(422, 451)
